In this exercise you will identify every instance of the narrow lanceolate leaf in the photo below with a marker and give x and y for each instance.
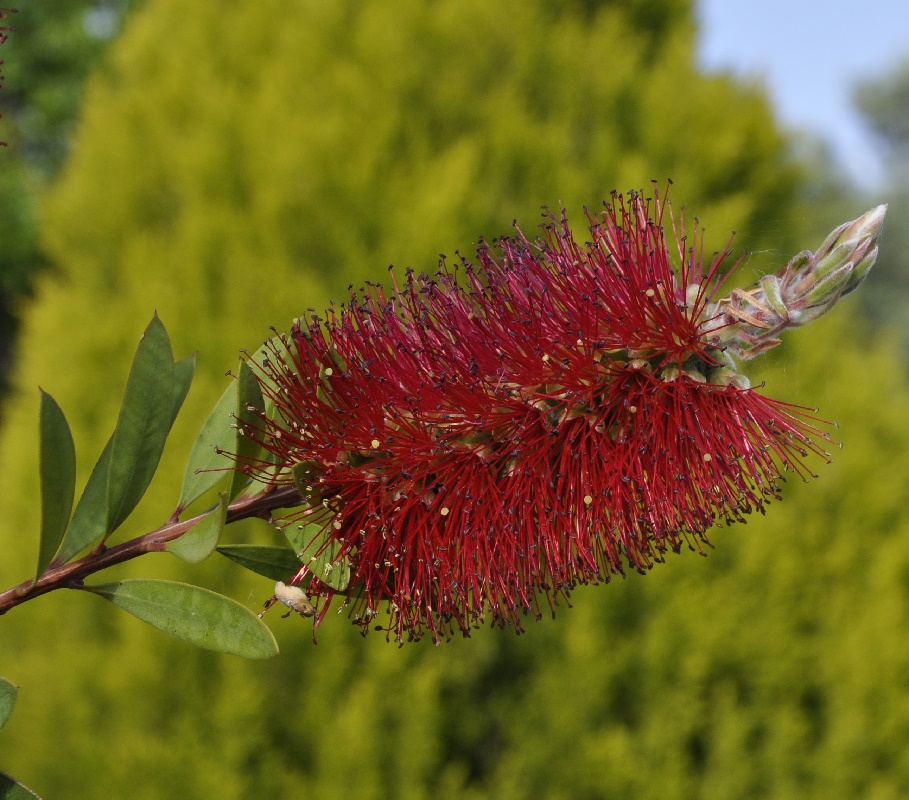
(143, 424)
(268, 477)
(250, 404)
(193, 614)
(199, 542)
(319, 553)
(13, 790)
(206, 459)
(184, 369)
(272, 561)
(57, 468)
(8, 693)
(275, 351)
(89, 522)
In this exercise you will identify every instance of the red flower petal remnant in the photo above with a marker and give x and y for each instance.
(474, 445)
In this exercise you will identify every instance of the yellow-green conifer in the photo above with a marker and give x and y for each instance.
(234, 167)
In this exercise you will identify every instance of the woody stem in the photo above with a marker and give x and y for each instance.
(71, 575)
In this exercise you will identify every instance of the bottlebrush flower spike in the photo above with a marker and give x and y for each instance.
(473, 446)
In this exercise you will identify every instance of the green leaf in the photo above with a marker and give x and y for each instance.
(193, 614)
(8, 693)
(143, 424)
(184, 370)
(299, 536)
(13, 790)
(273, 561)
(89, 522)
(206, 462)
(276, 349)
(199, 542)
(57, 468)
(319, 551)
(305, 476)
(250, 404)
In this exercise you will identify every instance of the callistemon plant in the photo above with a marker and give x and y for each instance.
(464, 448)
(472, 446)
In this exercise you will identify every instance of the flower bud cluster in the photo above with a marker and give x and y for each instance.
(749, 322)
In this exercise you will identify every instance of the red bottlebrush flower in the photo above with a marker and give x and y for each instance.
(474, 445)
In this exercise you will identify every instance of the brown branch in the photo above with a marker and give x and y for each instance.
(71, 576)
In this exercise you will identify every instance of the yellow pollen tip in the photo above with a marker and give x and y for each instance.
(444, 511)
(650, 293)
(329, 372)
(708, 457)
(375, 444)
(587, 499)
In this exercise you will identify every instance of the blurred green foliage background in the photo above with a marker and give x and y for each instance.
(231, 169)
(48, 57)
